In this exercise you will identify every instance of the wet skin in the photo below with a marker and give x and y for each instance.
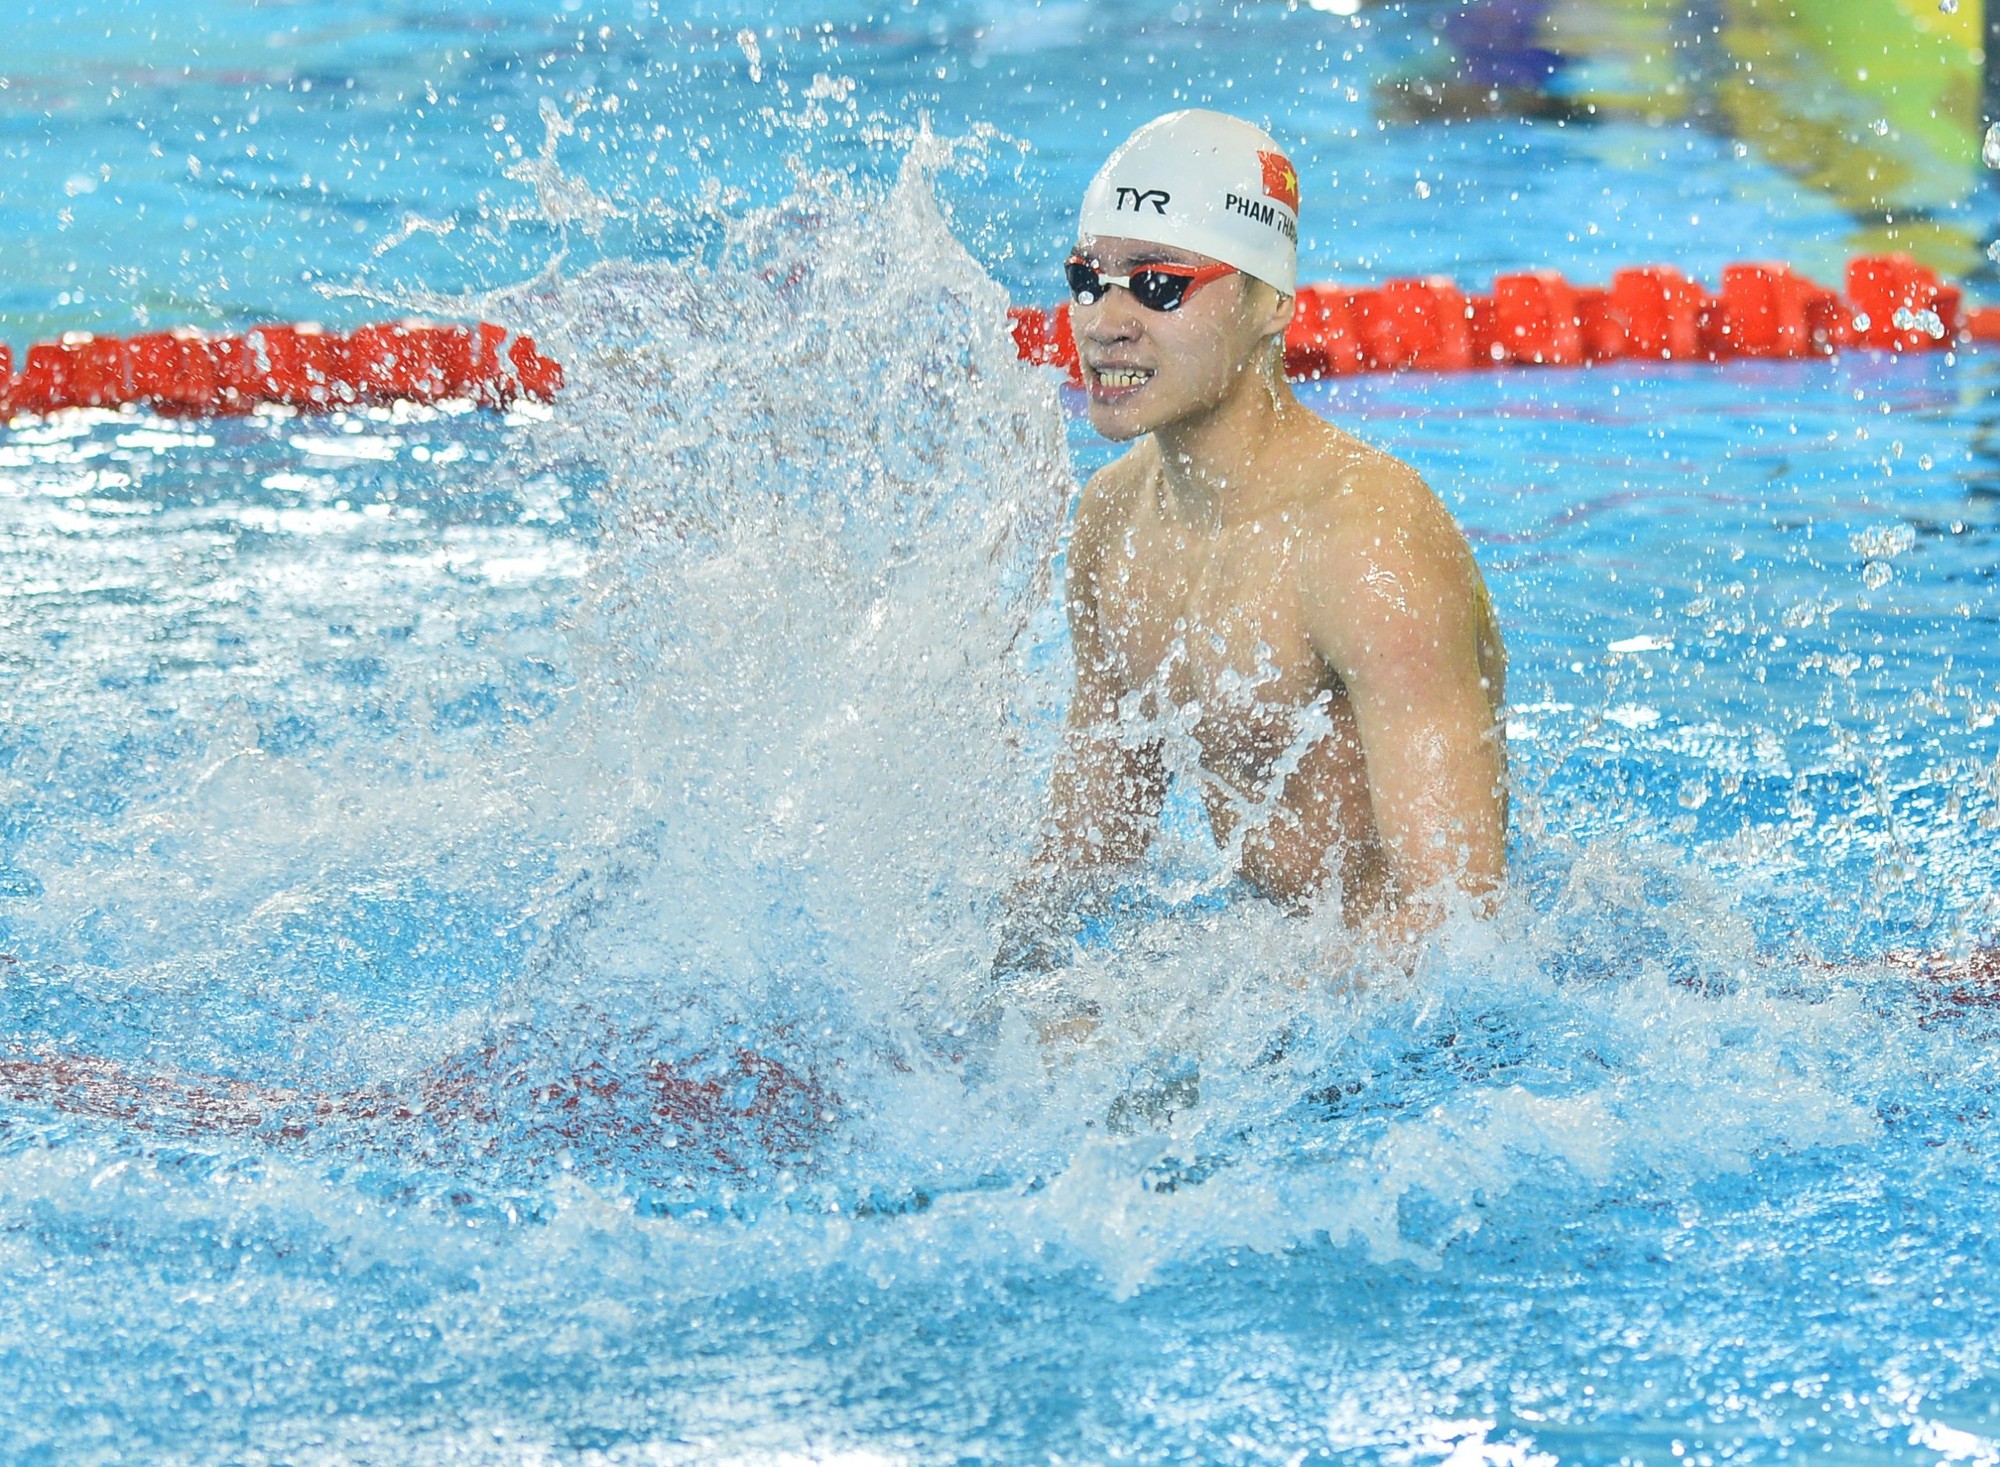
(1301, 602)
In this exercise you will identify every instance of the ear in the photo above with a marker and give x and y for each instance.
(1283, 309)
(1271, 311)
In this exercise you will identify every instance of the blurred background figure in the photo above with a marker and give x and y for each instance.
(1880, 105)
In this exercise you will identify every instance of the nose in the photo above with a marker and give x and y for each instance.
(1112, 317)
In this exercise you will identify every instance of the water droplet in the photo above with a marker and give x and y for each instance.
(1948, 7)
(1990, 149)
(1884, 542)
(1923, 461)
(1876, 574)
(1928, 322)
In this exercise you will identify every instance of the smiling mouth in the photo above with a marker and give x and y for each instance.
(1108, 381)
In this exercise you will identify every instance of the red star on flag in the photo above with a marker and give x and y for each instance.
(1281, 180)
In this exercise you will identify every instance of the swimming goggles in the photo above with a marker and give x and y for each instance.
(1160, 287)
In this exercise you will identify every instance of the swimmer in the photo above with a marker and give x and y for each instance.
(1300, 602)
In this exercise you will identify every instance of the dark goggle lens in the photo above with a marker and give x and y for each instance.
(1158, 290)
(1155, 289)
(1084, 282)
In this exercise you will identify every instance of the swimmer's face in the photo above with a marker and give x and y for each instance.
(1147, 369)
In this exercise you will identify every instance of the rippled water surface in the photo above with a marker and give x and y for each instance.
(492, 907)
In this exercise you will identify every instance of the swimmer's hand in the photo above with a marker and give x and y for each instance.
(1040, 922)
(1028, 945)
(1074, 1027)
(1050, 1005)
(1037, 940)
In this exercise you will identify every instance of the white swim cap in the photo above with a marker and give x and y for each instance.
(1207, 182)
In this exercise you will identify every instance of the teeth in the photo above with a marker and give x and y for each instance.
(1123, 376)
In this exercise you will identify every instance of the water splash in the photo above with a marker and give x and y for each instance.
(812, 672)
(783, 555)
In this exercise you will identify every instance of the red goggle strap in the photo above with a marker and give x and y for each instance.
(1194, 275)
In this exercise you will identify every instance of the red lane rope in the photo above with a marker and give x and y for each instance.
(1537, 318)
(188, 373)
(1425, 324)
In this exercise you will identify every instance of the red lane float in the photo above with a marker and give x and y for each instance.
(1537, 318)
(1421, 324)
(187, 373)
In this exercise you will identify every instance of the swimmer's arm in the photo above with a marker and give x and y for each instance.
(1396, 615)
(1106, 790)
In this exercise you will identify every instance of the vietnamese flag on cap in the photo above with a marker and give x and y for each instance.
(1281, 180)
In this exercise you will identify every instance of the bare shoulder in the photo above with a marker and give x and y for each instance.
(1359, 506)
(1384, 566)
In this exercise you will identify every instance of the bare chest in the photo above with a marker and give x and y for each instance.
(1209, 634)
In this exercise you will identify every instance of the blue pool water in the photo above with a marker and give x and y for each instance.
(433, 777)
